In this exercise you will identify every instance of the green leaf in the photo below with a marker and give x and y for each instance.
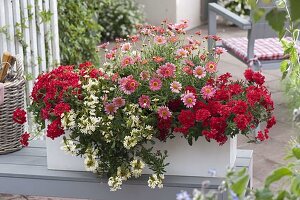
(239, 186)
(296, 152)
(258, 14)
(284, 66)
(294, 9)
(282, 195)
(264, 194)
(277, 175)
(276, 19)
(295, 186)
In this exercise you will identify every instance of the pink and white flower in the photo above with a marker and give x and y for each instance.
(144, 101)
(167, 70)
(208, 91)
(199, 72)
(127, 60)
(128, 85)
(220, 50)
(110, 108)
(175, 87)
(188, 99)
(160, 39)
(126, 47)
(155, 84)
(164, 112)
(119, 102)
(211, 67)
(182, 53)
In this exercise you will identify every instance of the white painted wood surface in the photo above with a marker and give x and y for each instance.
(31, 46)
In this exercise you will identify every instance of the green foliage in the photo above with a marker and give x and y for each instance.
(118, 18)
(276, 19)
(240, 7)
(79, 31)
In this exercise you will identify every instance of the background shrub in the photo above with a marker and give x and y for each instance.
(118, 18)
(240, 7)
(79, 31)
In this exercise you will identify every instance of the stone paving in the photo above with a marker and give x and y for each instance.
(267, 155)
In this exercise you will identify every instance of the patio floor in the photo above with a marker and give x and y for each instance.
(267, 155)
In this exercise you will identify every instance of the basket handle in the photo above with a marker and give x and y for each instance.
(19, 67)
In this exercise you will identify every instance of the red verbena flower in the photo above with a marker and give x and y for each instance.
(260, 136)
(19, 116)
(187, 118)
(258, 78)
(55, 129)
(24, 139)
(249, 74)
(271, 122)
(61, 108)
(241, 121)
(202, 114)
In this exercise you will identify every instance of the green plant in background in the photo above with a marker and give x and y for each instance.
(79, 31)
(118, 18)
(240, 7)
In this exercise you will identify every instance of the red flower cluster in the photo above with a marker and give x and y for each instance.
(54, 129)
(231, 110)
(19, 116)
(24, 139)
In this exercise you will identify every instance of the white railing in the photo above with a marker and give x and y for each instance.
(30, 28)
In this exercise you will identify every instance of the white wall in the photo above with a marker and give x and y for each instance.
(158, 10)
(190, 10)
(172, 10)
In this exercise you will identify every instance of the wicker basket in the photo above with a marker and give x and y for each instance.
(10, 132)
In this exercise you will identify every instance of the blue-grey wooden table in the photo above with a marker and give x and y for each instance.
(25, 172)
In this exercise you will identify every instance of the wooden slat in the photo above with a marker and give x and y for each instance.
(54, 28)
(33, 38)
(29, 151)
(23, 160)
(27, 54)
(17, 19)
(3, 43)
(40, 38)
(10, 27)
(48, 38)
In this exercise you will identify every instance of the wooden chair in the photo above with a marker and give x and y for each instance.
(261, 49)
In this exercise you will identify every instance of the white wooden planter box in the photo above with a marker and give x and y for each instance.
(198, 160)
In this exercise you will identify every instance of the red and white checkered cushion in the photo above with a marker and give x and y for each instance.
(264, 49)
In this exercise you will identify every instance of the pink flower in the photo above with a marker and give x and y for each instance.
(211, 67)
(145, 75)
(155, 84)
(144, 101)
(166, 71)
(159, 39)
(126, 47)
(220, 50)
(127, 60)
(175, 87)
(207, 92)
(182, 53)
(111, 55)
(164, 112)
(110, 108)
(188, 99)
(128, 85)
(199, 72)
(119, 102)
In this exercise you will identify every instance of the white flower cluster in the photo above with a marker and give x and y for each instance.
(139, 130)
(137, 167)
(156, 180)
(68, 146)
(68, 119)
(90, 160)
(115, 183)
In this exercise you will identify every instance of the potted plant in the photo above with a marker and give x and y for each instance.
(155, 101)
